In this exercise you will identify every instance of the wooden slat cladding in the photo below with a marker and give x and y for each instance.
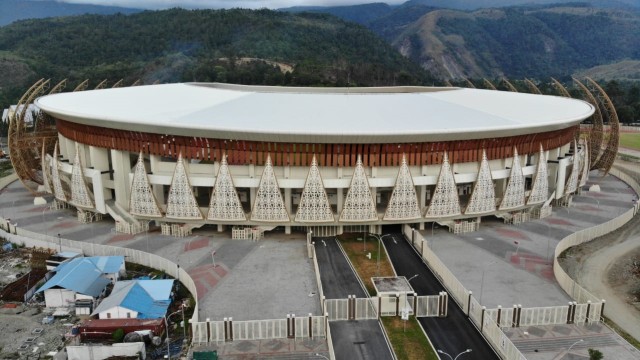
(240, 152)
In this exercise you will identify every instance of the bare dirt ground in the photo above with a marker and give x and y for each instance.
(607, 267)
(17, 329)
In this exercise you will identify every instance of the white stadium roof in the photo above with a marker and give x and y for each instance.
(317, 115)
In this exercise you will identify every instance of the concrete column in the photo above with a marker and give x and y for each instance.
(220, 228)
(85, 159)
(252, 196)
(287, 205)
(99, 158)
(422, 199)
(560, 177)
(121, 168)
(340, 200)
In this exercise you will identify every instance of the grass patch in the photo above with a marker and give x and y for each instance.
(5, 168)
(408, 343)
(366, 268)
(407, 339)
(630, 140)
(633, 341)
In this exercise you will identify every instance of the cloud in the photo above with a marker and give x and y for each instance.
(217, 4)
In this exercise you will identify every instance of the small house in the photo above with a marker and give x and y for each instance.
(136, 299)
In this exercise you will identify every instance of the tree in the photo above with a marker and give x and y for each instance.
(118, 335)
(595, 354)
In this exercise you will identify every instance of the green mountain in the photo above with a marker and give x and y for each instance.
(240, 46)
(518, 42)
(13, 10)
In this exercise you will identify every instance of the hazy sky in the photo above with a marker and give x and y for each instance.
(216, 4)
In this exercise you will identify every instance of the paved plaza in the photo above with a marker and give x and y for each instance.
(516, 261)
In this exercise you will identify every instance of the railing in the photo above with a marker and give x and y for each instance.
(232, 330)
(427, 306)
(316, 269)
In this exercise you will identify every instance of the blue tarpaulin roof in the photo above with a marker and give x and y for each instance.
(106, 264)
(149, 298)
(78, 275)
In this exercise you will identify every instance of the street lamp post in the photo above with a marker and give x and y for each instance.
(457, 356)
(379, 249)
(482, 281)
(166, 324)
(575, 343)
(59, 243)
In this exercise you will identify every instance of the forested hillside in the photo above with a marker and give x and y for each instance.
(12, 10)
(532, 41)
(203, 45)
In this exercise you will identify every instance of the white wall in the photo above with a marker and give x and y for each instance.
(100, 352)
(118, 312)
(59, 298)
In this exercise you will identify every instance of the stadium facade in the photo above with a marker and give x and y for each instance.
(329, 160)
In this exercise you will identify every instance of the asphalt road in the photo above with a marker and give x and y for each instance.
(452, 334)
(337, 277)
(352, 340)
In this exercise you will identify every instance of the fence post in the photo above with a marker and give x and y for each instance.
(293, 326)
(231, 328)
(397, 304)
(349, 308)
(602, 309)
(519, 315)
(310, 325)
(588, 309)
(379, 306)
(289, 326)
(569, 313)
(209, 332)
(469, 303)
(514, 315)
(415, 304)
(226, 329)
(446, 303)
(484, 308)
(499, 314)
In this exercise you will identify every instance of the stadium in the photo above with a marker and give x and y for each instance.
(321, 160)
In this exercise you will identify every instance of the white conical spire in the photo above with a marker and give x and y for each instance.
(225, 204)
(514, 194)
(585, 166)
(268, 205)
(314, 202)
(80, 194)
(181, 204)
(483, 198)
(403, 204)
(359, 205)
(445, 200)
(540, 187)
(58, 190)
(142, 201)
(572, 183)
